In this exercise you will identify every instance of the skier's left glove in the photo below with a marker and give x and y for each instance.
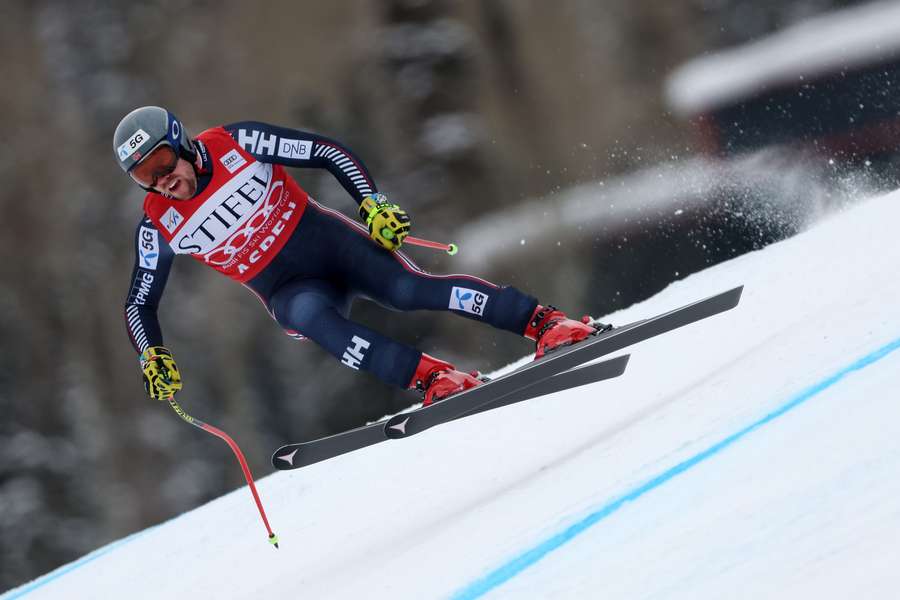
(388, 223)
(161, 376)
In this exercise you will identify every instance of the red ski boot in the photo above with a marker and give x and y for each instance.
(552, 329)
(439, 379)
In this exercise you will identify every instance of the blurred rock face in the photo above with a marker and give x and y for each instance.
(459, 109)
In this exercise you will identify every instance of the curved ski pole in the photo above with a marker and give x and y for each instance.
(273, 539)
(450, 249)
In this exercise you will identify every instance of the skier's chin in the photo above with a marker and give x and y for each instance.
(182, 190)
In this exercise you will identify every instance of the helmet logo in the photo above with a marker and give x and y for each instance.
(130, 146)
(176, 130)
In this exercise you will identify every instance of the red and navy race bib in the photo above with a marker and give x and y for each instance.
(243, 217)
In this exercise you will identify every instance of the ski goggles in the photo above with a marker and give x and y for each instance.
(161, 161)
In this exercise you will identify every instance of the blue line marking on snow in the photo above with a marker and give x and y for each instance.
(66, 569)
(505, 572)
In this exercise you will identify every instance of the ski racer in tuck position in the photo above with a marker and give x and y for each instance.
(225, 199)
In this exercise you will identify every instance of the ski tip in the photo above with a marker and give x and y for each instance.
(735, 296)
(283, 458)
(273, 539)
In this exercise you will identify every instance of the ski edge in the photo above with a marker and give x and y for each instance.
(567, 380)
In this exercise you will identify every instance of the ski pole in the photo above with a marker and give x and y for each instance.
(450, 249)
(273, 539)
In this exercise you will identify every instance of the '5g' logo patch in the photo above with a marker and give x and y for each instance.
(470, 301)
(130, 146)
(148, 247)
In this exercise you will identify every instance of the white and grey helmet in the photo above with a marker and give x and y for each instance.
(143, 130)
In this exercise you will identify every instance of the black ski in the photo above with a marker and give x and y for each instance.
(567, 380)
(294, 456)
(406, 424)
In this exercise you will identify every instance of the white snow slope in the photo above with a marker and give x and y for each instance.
(752, 455)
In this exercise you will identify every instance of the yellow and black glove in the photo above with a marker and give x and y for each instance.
(388, 223)
(161, 376)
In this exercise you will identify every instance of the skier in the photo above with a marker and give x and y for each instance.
(225, 199)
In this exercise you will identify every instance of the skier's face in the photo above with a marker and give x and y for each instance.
(167, 173)
(181, 183)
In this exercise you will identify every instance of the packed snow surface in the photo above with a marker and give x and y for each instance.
(752, 455)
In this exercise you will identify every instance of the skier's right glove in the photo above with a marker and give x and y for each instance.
(161, 376)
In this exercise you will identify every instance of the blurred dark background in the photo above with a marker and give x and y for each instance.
(538, 135)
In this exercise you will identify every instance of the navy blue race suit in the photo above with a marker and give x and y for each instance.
(328, 261)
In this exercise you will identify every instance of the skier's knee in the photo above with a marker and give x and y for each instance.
(301, 312)
(400, 294)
